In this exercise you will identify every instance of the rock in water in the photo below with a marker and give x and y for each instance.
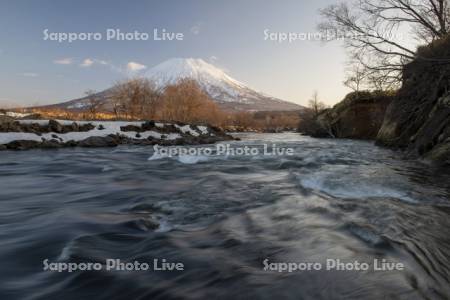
(22, 145)
(98, 141)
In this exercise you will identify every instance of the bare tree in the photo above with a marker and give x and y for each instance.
(185, 101)
(136, 98)
(355, 77)
(314, 120)
(372, 31)
(315, 105)
(94, 103)
(116, 101)
(244, 119)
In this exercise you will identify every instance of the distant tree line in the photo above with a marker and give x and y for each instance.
(182, 101)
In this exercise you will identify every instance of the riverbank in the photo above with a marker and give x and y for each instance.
(31, 134)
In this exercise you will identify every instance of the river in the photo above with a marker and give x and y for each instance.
(231, 221)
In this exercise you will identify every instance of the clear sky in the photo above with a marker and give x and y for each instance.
(230, 34)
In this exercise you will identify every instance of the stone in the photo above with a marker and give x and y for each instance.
(75, 127)
(128, 128)
(97, 141)
(86, 127)
(148, 125)
(52, 144)
(71, 143)
(22, 145)
(55, 126)
(111, 140)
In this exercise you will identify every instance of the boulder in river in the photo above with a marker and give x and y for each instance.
(22, 145)
(98, 141)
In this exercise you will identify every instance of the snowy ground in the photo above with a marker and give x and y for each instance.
(110, 127)
(15, 114)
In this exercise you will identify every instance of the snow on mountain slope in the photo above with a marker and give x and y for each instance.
(220, 86)
(228, 92)
(210, 78)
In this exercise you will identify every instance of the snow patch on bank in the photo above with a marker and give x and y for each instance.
(110, 127)
(203, 129)
(186, 129)
(15, 114)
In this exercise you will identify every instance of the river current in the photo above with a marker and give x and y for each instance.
(233, 222)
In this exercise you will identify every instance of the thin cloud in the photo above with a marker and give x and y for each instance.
(130, 67)
(64, 61)
(195, 30)
(30, 74)
(135, 67)
(105, 63)
(91, 61)
(87, 63)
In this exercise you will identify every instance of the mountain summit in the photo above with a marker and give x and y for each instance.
(174, 69)
(229, 93)
(225, 90)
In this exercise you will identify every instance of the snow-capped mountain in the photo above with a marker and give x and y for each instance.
(208, 76)
(228, 92)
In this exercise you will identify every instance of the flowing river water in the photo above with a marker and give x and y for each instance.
(232, 221)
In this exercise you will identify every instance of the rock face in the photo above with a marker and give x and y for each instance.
(358, 116)
(418, 119)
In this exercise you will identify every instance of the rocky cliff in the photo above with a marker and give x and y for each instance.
(358, 116)
(418, 119)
